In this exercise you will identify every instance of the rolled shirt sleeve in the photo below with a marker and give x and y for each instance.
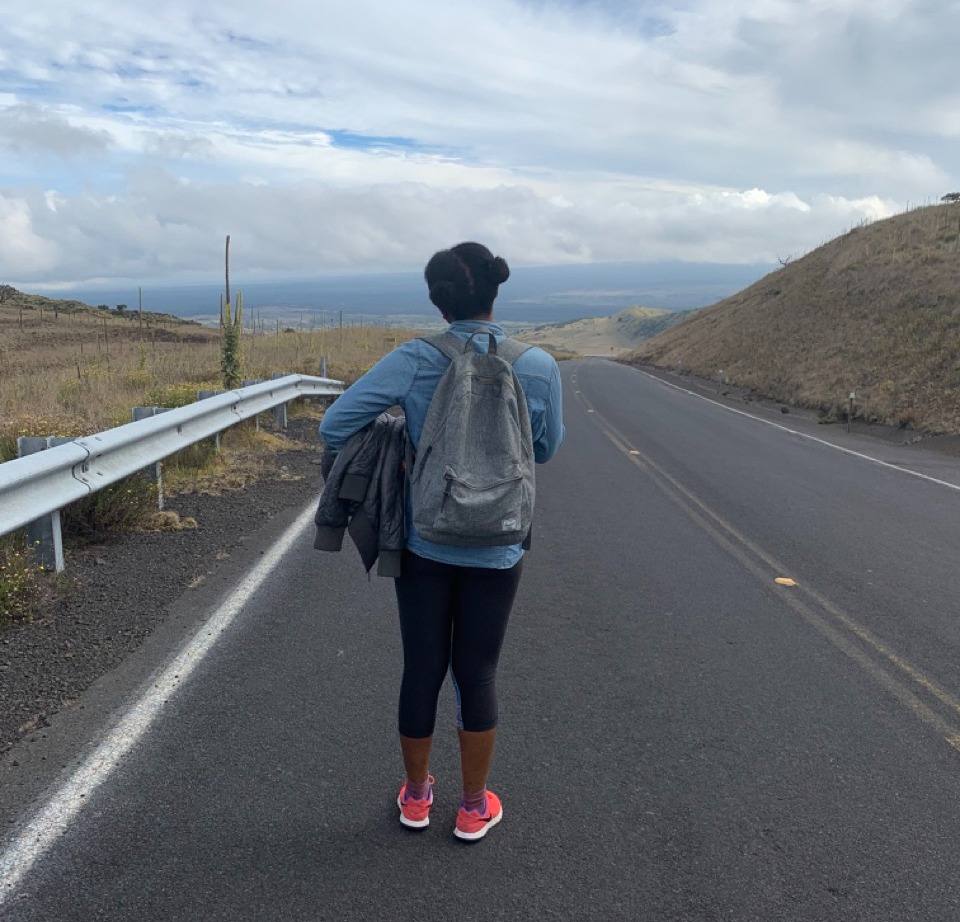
(550, 432)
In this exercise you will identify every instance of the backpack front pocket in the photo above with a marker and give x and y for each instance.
(482, 510)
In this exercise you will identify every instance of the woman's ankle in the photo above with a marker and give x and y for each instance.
(476, 801)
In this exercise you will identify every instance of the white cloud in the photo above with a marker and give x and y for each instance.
(27, 129)
(23, 253)
(565, 130)
(163, 226)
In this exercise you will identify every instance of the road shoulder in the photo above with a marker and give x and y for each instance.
(130, 603)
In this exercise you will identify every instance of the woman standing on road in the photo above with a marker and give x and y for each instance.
(454, 602)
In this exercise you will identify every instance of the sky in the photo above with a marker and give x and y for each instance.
(331, 137)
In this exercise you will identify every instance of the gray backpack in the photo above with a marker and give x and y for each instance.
(473, 483)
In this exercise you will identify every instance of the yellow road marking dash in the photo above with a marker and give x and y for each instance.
(832, 624)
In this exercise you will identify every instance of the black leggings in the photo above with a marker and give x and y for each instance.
(455, 618)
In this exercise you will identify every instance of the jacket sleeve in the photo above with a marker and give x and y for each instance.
(344, 487)
(332, 514)
(358, 497)
(393, 478)
(377, 515)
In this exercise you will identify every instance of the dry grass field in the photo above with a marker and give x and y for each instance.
(875, 311)
(80, 370)
(607, 336)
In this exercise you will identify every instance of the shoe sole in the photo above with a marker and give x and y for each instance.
(480, 833)
(412, 824)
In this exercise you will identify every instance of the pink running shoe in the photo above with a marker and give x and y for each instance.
(472, 826)
(415, 814)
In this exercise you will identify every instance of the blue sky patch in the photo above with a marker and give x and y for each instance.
(350, 140)
(129, 109)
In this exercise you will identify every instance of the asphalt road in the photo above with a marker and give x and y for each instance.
(682, 738)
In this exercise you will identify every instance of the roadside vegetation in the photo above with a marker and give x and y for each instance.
(68, 369)
(23, 587)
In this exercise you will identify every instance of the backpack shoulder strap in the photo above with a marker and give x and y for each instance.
(446, 343)
(452, 346)
(512, 349)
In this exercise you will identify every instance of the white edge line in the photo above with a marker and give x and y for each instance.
(52, 820)
(802, 435)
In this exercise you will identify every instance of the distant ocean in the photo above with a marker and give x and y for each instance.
(531, 297)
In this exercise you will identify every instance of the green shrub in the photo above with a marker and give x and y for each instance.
(139, 378)
(99, 516)
(193, 458)
(8, 446)
(299, 408)
(231, 345)
(21, 584)
(35, 424)
(172, 395)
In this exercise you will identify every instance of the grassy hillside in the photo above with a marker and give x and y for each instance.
(876, 311)
(27, 305)
(605, 335)
(69, 369)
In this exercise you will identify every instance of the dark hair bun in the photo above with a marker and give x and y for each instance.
(463, 280)
(498, 270)
(443, 294)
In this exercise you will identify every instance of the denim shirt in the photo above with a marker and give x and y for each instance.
(407, 378)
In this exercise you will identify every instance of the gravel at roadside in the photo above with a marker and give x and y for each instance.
(117, 594)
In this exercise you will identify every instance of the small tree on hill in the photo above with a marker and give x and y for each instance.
(951, 197)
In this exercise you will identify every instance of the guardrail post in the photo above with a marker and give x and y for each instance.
(44, 536)
(280, 410)
(203, 395)
(323, 366)
(154, 471)
(256, 419)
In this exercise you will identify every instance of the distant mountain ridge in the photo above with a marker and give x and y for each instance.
(533, 295)
(605, 335)
(12, 299)
(876, 311)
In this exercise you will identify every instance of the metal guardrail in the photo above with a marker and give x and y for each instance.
(43, 483)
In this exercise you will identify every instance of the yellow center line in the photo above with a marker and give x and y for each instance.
(751, 556)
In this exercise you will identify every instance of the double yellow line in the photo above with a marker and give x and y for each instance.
(904, 681)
